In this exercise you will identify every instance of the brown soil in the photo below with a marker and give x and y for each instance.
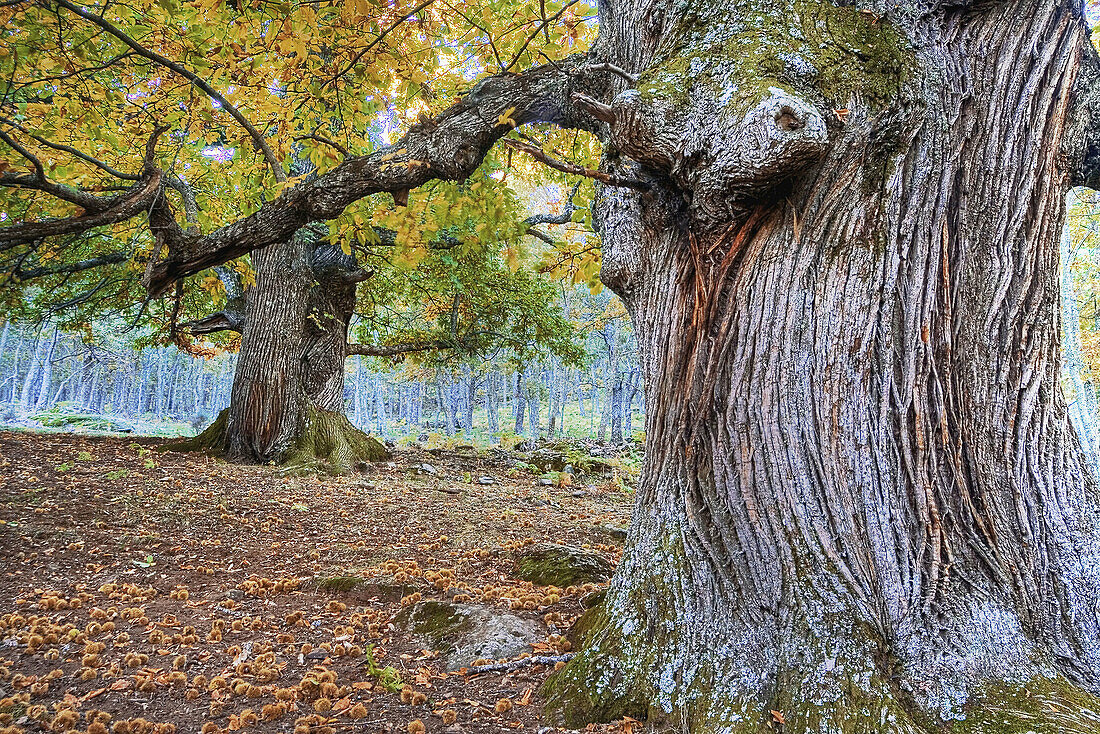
(190, 593)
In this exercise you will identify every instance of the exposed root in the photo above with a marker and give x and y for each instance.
(326, 442)
(213, 440)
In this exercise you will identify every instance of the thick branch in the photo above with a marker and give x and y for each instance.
(393, 350)
(450, 146)
(221, 321)
(139, 198)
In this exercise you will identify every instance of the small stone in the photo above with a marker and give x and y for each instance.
(427, 468)
(235, 595)
(390, 465)
(486, 480)
(614, 532)
(544, 482)
(568, 469)
(579, 493)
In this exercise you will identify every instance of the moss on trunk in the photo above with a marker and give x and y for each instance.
(213, 440)
(329, 442)
(325, 442)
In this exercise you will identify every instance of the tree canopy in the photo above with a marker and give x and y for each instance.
(192, 116)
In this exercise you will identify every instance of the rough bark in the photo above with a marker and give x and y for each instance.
(287, 403)
(863, 508)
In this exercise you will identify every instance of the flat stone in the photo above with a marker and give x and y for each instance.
(463, 633)
(486, 480)
(426, 468)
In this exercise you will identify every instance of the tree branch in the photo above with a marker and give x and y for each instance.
(321, 139)
(392, 27)
(257, 137)
(574, 169)
(450, 146)
(74, 152)
(101, 210)
(111, 258)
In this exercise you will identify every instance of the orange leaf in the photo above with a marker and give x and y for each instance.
(778, 717)
(92, 694)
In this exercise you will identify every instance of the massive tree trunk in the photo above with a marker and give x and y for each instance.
(863, 508)
(287, 403)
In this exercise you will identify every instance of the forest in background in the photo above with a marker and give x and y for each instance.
(98, 380)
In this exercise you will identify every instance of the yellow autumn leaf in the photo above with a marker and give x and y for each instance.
(506, 118)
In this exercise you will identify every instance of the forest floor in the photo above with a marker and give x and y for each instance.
(163, 588)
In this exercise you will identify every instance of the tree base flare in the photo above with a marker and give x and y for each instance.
(326, 442)
(608, 680)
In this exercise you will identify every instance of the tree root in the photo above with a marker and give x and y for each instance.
(326, 442)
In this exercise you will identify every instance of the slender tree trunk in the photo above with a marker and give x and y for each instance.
(863, 508)
(531, 387)
(32, 373)
(519, 402)
(492, 393)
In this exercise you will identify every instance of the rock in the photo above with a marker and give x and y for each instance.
(579, 493)
(568, 469)
(486, 480)
(613, 531)
(463, 633)
(550, 564)
(235, 594)
(426, 468)
(593, 598)
(390, 465)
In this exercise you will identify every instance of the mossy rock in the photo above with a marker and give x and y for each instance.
(557, 457)
(383, 587)
(550, 564)
(93, 422)
(463, 633)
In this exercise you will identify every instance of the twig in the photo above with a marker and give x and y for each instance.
(521, 663)
(545, 23)
(321, 139)
(378, 40)
(257, 136)
(606, 66)
(575, 169)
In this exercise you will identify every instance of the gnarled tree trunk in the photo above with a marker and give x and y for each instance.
(863, 508)
(287, 403)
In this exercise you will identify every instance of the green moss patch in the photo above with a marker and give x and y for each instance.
(793, 45)
(549, 564)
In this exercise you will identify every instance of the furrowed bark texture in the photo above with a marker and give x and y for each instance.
(267, 402)
(287, 404)
(863, 508)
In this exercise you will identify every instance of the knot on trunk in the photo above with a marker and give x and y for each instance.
(720, 158)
